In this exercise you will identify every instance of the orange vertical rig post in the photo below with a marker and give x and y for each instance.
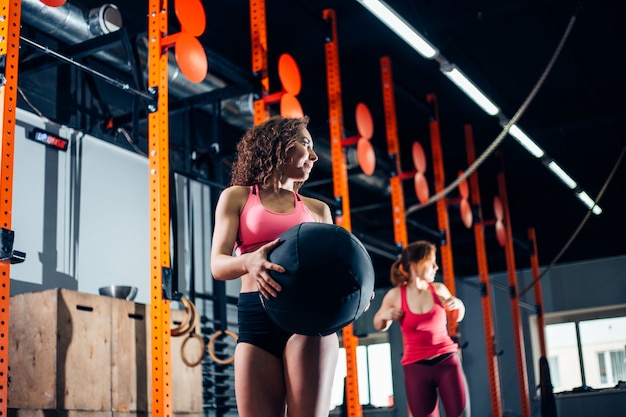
(9, 49)
(158, 158)
(534, 266)
(393, 149)
(447, 265)
(341, 194)
(483, 278)
(513, 290)
(258, 33)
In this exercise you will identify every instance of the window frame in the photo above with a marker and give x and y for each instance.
(575, 317)
(366, 341)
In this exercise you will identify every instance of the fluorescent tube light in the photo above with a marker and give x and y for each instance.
(588, 201)
(457, 77)
(396, 23)
(405, 31)
(563, 176)
(526, 142)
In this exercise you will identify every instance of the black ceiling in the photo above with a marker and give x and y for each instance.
(577, 116)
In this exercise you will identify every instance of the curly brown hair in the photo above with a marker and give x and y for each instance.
(263, 149)
(413, 252)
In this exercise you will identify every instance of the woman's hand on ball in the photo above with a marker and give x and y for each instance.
(259, 266)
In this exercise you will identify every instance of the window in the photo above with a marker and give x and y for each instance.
(555, 372)
(612, 368)
(586, 348)
(374, 375)
(562, 348)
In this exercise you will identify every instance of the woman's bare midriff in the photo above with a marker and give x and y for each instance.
(248, 284)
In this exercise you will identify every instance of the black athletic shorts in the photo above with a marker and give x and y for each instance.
(257, 328)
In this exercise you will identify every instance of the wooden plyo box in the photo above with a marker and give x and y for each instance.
(130, 357)
(131, 366)
(76, 351)
(186, 381)
(12, 412)
(60, 351)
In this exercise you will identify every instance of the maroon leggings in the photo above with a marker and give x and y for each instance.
(424, 378)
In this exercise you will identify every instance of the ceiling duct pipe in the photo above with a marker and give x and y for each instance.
(69, 23)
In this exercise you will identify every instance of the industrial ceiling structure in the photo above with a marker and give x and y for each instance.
(556, 65)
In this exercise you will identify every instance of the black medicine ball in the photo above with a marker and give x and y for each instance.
(328, 282)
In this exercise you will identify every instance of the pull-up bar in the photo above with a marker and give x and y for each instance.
(119, 84)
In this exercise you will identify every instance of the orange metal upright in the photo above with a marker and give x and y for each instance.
(258, 34)
(483, 278)
(447, 266)
(400, 233)
(340, 188)
(393, 149)
(534, 265)
(158, 131)
(9, 48)
(515, 307)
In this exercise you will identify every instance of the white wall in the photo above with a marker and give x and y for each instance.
(81, 216)
(113, 205)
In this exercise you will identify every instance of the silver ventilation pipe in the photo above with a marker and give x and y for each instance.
(69, 23)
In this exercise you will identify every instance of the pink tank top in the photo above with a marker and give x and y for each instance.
(258, 225)
(425, 335)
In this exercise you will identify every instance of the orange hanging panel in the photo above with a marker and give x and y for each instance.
(447, 266)
(158, 129)
(515, 307)
(340, 186)
(393, 149)
(9, 48)
(483, 277)
(258, 33)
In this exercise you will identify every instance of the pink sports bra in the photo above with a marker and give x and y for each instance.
(258, 225)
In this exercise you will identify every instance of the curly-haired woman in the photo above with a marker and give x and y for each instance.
(430, 360)
(275, 370)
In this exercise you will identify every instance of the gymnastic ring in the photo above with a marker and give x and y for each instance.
(187, 324)
(187, 362)
(195, 319)
(184, 326)
(212, 346)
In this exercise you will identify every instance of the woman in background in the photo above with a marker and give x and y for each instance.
(430, 359)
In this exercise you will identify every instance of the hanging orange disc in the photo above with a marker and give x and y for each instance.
(366, 156)
(466, 213)
(53, 3)
(501, 232)
(191, 57)
(190, 14)
(463, 187)
(421, 187)
(364, 122)
(290, 106)
(498, 210)
(289, 74)
(419, 158)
